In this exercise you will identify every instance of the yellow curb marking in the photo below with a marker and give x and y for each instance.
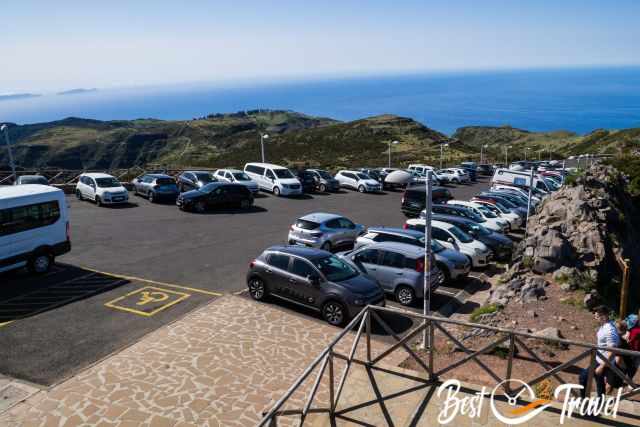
(146, 295)
(154, 282)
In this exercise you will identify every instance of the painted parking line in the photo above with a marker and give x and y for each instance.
(147, 301)
(49, 298)
(155, 282)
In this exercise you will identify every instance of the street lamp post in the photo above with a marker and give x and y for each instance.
(426, 295)
(262, 138)
(5, 129)
(506, 156)
(394, 143)
(525, 153)
(482, 147)
(441, 152)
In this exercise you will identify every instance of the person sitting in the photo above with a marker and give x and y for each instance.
(606, 336)
(623, 362)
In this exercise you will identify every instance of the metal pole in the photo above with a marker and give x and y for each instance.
(262, 145)
(526, 224)
(506, 157)
(441, 147)
(426, 294)
(481, 150)
(5, 128)
(389, 155)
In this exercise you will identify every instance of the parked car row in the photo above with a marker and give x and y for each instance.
(313, 271)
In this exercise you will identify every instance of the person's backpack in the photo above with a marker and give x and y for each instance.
(634, 338)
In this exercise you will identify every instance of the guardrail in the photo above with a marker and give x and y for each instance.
(514, 340)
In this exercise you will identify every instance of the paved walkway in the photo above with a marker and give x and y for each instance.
(222, 365)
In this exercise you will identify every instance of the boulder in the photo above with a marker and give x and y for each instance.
(591, 300)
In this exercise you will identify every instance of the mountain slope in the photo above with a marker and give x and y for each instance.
(226, 139)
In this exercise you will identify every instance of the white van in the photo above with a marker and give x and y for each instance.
(517, 178)
(34, 227)
(277, 179)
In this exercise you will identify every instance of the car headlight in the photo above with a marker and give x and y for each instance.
(478, 251)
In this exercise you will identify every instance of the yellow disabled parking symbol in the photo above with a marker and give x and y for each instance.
(147, 301)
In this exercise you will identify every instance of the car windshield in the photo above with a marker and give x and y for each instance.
(479, 229)
(241, 176)
(107, 182)
(486, 212)
(33, 180)
(205, 177)
(435, 245)
(325, 175)
(208, 188)
(474, 216)
(334, 269)
(460, 235)
(283, 173)
(362, 176)
(507, 203)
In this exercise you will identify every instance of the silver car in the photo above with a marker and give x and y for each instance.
(451, 263)
(156, 187)
(324, 230)
(398, 267)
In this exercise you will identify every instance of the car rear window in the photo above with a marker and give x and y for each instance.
(165, 181)
(306, 225)
(279, 261)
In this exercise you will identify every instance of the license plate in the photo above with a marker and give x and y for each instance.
(118, 199)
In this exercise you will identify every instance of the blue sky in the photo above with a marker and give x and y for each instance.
(49, 46)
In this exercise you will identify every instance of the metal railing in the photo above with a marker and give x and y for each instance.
(513, 340)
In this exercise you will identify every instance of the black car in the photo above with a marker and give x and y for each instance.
(192, 180)
(313, 278)
(215, 195)
(500, 245)
(486, 170)
(473, 175)
(308, 181)
(457, 210)
(414, 199)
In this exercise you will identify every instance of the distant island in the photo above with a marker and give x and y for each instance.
(18, 96)
(77, 91)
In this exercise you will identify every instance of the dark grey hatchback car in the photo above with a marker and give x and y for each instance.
(313, 278)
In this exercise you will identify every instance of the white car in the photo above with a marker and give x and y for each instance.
(524, 193)
(358, 181)
(101, 188)
(492, 221)
(276, 179)
(421, 169)
(514, 219)
(456, 176)
(452, 237)
(238, 177)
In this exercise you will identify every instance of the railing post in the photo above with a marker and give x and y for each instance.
(592, 367)
(512, 345)
(368, 332)
(431, 334)
(332, 406)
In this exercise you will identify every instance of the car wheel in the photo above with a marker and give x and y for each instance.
(200, 207)
(276, 191)
(326, 246)
(98, 201)
(322, 188)
(333, 312)
(361, 189)
(405, 295)
(151, 197)
(40, 263)
(445, 272)
(455, 181)
(79, 195)
(257, 289)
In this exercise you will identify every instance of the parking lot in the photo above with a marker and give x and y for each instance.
(135, 268)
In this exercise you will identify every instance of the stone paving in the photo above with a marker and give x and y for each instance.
(221, 365)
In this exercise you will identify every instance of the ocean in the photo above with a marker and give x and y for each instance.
(578, 100)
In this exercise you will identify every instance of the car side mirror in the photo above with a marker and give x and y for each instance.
(314, 280)
(450, 240)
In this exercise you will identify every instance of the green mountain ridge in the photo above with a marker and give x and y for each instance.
(294, 139)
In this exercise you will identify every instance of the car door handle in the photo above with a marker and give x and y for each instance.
(269, 270)
(399, 274)
(373, 269)
(292, 280)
